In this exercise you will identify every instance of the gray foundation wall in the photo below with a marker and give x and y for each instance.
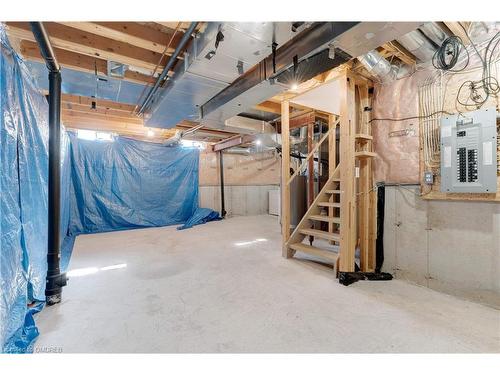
(239, 200)
(452, 247)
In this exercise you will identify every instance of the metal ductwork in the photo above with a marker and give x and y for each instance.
(171, 61)
(206, 70)
(378, 66)
(424, 41)
(320, 47)
(214, 84)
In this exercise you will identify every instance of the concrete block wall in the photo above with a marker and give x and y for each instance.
(239, 200)
(452, 247)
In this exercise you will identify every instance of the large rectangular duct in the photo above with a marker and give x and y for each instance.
(207, 70)
(274, 75)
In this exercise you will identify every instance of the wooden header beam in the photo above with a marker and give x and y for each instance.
(233, 141)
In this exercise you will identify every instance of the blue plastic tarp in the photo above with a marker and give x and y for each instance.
(200, 216)
(23, 199)
(105, 186)
(127, 184)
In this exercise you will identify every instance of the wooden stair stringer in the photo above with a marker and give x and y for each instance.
(314, 209)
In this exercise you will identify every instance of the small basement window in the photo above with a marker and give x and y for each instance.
(92, 135)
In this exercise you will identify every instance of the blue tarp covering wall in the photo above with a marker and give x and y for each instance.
(130, 184)
(23, 199)
(105, 186)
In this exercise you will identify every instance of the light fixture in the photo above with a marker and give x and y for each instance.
(151, 133)
(294, 86)
(258, 142)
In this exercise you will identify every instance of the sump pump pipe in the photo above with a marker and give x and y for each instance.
(55, 279)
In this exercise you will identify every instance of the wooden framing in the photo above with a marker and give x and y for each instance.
(357, 217)
(347, 174)
(85, 43)
(131, 33)
(332, 161)
(285, 176)
(83, 63)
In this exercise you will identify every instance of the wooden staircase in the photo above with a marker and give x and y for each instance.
(344, 211)
(329, 196)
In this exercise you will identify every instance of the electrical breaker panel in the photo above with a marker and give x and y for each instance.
(468, 152)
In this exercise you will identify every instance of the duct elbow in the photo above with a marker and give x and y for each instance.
(378, 66)
(174, 140)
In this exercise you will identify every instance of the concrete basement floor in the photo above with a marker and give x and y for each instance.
(224, 287)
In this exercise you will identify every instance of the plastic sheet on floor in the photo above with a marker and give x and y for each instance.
(200, 216)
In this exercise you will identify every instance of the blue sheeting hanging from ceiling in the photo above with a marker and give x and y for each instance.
(130, 184)
(105, 186)
(23, 198)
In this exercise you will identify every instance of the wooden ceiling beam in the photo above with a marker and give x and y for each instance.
(109, 113)
(269, 106)
(91, 115)
(131, 33)
(173, 25)
(82, 63)
(457, 28)
(101, 103)
(74, 40)
(395, 48)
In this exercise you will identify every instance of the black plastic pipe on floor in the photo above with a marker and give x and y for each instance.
(222, 200)
(55, 279)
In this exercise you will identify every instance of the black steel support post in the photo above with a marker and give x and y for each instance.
(55, 279)
(221, 167)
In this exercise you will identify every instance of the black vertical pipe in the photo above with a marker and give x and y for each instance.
(221, 167)
(379, 254)
(55, 279)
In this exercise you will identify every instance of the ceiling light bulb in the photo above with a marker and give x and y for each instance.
(151, 133)
(258, 142)
(295, 86)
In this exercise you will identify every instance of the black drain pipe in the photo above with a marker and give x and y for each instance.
(221, 167)
(55, 279)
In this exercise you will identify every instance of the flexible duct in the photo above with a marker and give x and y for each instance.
(378, 66)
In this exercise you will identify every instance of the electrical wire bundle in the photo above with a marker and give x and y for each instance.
(446, 56)
(472, 94)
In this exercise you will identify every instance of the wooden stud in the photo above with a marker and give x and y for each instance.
(332, 160)
(285, 176)
(347, 176)
(310, 166)
(364, 184)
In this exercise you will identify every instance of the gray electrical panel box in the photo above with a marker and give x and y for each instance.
(469, 152)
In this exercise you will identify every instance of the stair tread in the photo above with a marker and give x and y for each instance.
(333, 191)
(329, 204)
(329, 219)
(315, 251)
(365, 137)
(321, 234)
(365, 154)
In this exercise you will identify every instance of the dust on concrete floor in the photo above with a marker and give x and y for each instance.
(224, 287)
